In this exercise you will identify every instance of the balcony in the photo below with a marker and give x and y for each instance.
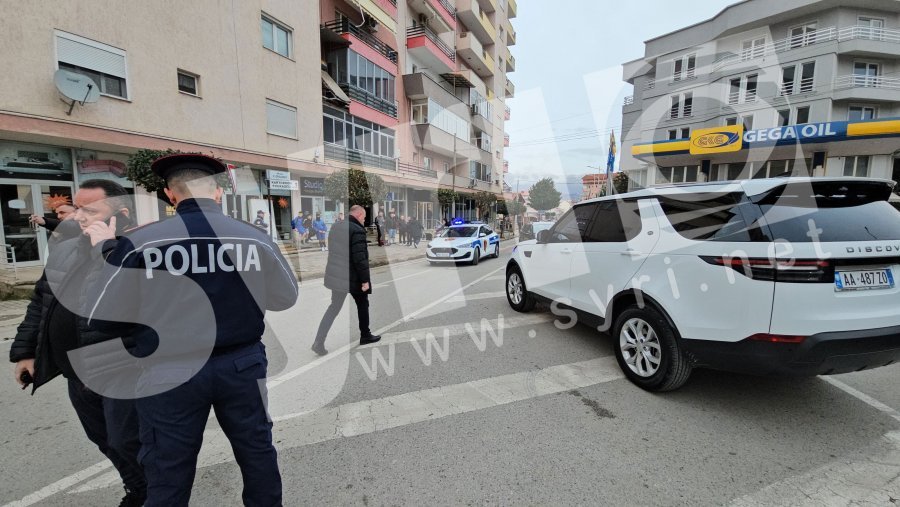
(510, 35)
(476, 21)
(415, 170)
(349, 31)
(629, 100)
(867, 88)
(488, 5)
(510, 62)
(365, 98)
(472, 52)
(358, 158)
(512, 9)
(505, 166)
(510, 89)
(428, 137)
(506, 113)
(425, 45)
(828, 34)
(506, 140)
(441, 15)
(867, 41)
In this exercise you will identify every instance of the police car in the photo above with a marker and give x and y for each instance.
(463, 242)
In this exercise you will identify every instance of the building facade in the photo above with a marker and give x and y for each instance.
(262, 84)
(592, 185)
(768, 88)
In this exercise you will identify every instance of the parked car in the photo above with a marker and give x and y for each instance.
(771, 276)
(531, 230)
(464, 242)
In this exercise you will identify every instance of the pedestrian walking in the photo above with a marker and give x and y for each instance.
(401, 230)
(51, 329)
(241, 274)
(321, 230)
(307, 226)
(392, 228)
(380, 228)
(347, 272)
(63, 212)
(416, 231)
(297, 227)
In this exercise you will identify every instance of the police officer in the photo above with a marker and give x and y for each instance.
(243, 274)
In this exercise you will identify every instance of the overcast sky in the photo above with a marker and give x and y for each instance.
(568, 78)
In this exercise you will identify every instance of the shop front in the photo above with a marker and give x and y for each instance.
(314, 202)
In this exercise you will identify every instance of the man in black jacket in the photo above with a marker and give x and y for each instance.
(50, 330)
(347, 272)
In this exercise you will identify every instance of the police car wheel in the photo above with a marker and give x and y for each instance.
(476, 255)
(497, 251)
(648, 351)
(517, 294)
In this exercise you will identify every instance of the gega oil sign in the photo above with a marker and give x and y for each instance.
(725, 139)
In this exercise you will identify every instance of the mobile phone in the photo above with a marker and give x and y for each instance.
(26, 379)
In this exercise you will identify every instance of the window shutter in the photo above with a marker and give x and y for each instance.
(281, 119)
(90, 57)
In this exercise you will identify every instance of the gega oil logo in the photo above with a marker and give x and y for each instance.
(717, 140)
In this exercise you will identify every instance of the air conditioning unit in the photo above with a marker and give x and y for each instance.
(371, 24)
(423, 19)
(472, 183)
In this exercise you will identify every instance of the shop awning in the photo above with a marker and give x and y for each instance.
(330, 85)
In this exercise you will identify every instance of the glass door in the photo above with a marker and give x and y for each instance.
(865, 74)
(18, 201)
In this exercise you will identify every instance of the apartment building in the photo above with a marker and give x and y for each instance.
(592, 185)
(768, 88)
(430, 78)
(286, 92)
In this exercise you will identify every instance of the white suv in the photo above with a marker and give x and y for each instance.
(772, 276)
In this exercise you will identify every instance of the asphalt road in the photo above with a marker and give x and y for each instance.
(508, 410)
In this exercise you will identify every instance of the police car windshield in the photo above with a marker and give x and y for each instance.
(460, 232)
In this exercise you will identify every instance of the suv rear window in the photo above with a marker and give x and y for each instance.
(837, 211)
(710, 217)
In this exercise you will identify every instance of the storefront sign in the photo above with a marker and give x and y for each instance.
(102, 166)
(312, 186)
(281, 180)
(819, 132)
(725, 139)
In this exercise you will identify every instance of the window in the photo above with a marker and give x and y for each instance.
(367, 82)
(748, 122)
(479, 171)
(678, 174)
(276, 36)
(731, 121)
(673, 134)
(685, 67)
(676, 106)
(807, 76)
(787, 79)
(613, 221)
(865, 74)
(354, 133)
(188, 83)
(781, 168)
(572, 227)
(426, 163)
(871, 28)
(750, 88)
(729, 172)
(685, 133)
(783, 118)
(734, 90)
(281, 119)
(857, 166)
(682, 104)
(105, 65)
(857, 113)
(707, 217)
(753, 48)
(802, 115)
(802, 35)
(688, 108)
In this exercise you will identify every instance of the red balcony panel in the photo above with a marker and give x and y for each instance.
(373, 115)
(445, 14)
(387, 6)
(368, 52)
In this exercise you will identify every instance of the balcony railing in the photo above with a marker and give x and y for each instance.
(650, 84)
(629, 100)
(447, 7)
(345, 26)
(869, 33)
(805, 85)
(356, 157)
(415, 170)
(363, 97)
(506, 113)
(418, 31)
(506, 140)
(855, 81)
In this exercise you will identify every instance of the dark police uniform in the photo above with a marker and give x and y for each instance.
(243, 274)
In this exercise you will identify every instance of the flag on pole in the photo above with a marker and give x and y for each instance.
(610, 162)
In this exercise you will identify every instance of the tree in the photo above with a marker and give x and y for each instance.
(353, 186)
(137, 169)
(484, 201)
(515, 207)
(543, 195)
(446, 197)
(620, 183)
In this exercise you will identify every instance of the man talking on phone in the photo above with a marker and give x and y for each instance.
(50, 329)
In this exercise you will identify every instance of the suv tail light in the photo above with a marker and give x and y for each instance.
(776, 338)
(778, 270)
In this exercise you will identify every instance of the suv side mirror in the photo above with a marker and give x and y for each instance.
(543, 236)
(482, 235)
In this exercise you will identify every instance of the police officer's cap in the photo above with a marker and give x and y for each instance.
(164, 166)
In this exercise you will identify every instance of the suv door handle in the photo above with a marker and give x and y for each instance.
(566, 250)
(631, 252)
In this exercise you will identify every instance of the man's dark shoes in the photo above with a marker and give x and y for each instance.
(369, 339)
(134, 498)
(319, 349)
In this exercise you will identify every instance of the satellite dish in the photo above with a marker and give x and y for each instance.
(76, 87)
